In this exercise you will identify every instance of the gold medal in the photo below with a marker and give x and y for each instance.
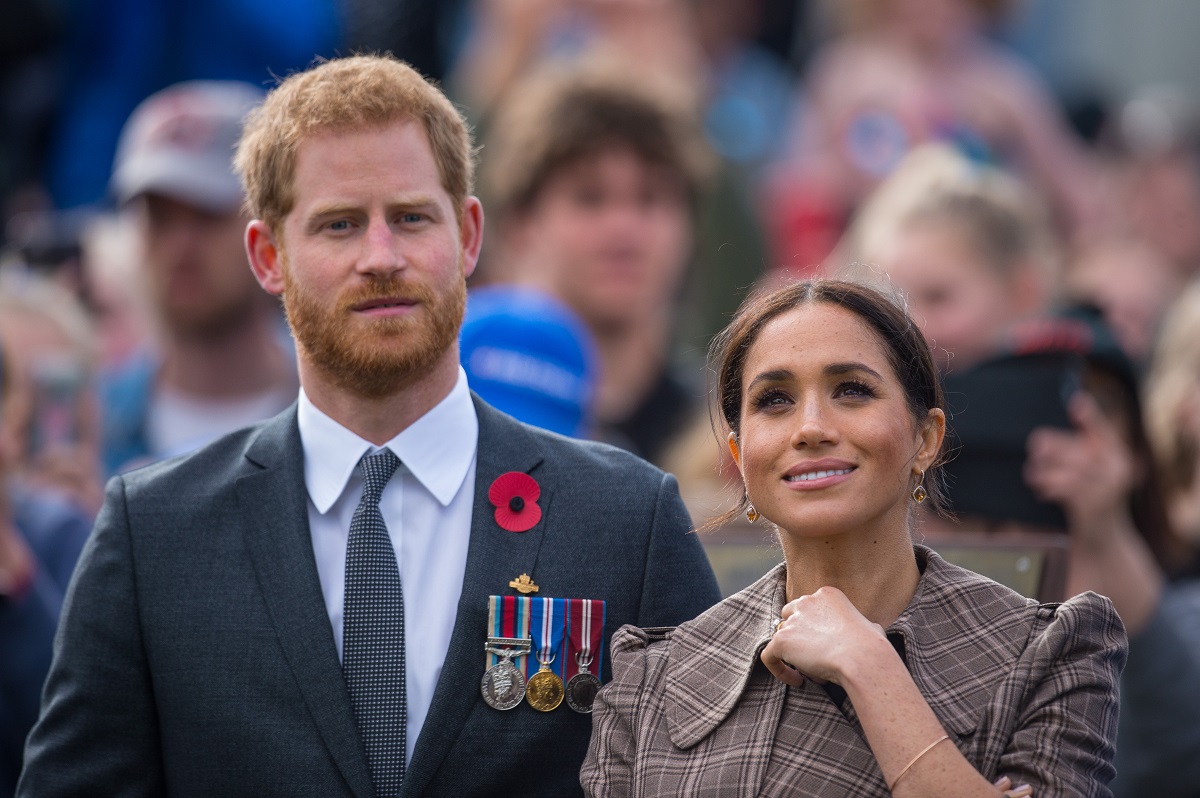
(544, 692)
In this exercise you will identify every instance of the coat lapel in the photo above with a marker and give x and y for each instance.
(705, 677)
(494, 556)
(274, 503)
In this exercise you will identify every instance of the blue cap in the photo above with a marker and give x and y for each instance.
(528, 355)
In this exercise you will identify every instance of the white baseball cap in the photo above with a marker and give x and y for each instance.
(179, 142)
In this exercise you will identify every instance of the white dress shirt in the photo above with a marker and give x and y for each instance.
(427, 508)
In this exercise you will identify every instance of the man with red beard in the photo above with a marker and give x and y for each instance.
(306, 607)
(220, 360)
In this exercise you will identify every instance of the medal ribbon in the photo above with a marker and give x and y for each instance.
(508, 618)
(547, 623)
(585, 635)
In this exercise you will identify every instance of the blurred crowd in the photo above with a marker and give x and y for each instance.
(644, 164)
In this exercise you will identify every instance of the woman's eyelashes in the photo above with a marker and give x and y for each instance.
(771, 397)
(855, 388)
(775, 397)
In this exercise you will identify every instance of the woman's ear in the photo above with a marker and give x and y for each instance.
(932, 432)
(734, 450)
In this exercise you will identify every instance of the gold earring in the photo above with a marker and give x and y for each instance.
(919, 493)
(751, 513)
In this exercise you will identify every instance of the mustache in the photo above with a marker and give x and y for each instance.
(386, 288)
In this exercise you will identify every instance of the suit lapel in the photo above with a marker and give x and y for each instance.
(274, 503)
(494, 556)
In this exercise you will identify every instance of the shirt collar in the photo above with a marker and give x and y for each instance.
(437, 449)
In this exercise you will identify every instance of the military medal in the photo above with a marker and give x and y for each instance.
(584, 638)
(503, 684)
(544, 691)
(582, 689)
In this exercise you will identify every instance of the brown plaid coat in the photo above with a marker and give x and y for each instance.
(1025, 690)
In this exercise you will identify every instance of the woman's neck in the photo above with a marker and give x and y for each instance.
(877, 572)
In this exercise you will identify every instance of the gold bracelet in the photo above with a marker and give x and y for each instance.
(913, 761)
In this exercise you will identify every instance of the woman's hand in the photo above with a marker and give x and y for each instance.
(1005, 784)
(818, 635)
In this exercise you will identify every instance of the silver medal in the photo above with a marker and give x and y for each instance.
(503, 685)
(583, 686)
(581, 691)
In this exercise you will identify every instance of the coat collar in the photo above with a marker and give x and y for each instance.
(700, 675)
(705, 682)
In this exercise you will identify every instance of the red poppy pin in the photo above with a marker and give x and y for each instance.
(515, 495)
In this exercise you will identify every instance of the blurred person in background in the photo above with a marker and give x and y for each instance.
(1157, 169)
(41, 536)
(593, 177)
(739, 93)
(1094, 469)
(222, 360)
(966, 245)
(53, 416)
(1173, 412)
(114, 284)
(902, 73)
(1131, 282)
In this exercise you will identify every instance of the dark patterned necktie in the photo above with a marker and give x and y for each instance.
(373, 632)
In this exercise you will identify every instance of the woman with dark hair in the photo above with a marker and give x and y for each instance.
(864, 664)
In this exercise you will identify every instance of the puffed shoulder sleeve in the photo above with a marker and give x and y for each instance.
(637, 667)
(1066, 731)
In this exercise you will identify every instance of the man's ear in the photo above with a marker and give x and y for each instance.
(266, 256)
(471, 234)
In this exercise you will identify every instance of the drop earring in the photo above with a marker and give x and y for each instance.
(751, 513)
(919, 493)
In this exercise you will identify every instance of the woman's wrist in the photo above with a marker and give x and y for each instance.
(865, 665)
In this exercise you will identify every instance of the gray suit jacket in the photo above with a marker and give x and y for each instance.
(195, 655)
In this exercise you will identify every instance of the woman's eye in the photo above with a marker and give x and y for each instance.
(854, 388)
(771, 399)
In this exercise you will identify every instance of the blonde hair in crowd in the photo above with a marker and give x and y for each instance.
(362, 91)
(1001, 219)
(1170, 385)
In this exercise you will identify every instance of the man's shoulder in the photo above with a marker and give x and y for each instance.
(222, 459)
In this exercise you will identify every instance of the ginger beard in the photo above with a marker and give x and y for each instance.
(374, 357)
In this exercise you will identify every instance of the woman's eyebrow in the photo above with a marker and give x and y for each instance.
(775, 375)
(838, 369)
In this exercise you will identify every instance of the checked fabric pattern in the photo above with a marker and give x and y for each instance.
(373, 631)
